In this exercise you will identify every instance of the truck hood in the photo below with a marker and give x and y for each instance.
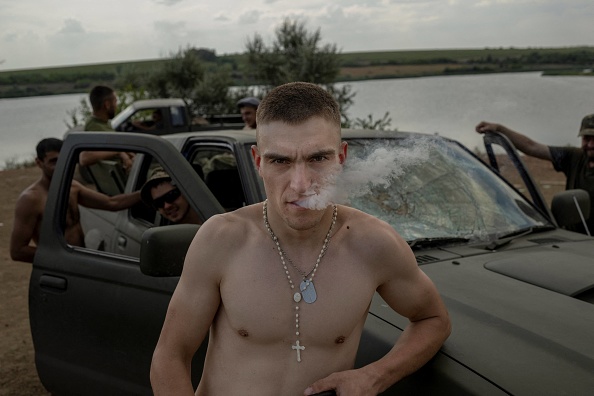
(523, 320)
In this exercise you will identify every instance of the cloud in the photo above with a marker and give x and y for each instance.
(168, 2)
(169, 26)
(72, 26)
(10, 37)
(64, 31)
(249, 18)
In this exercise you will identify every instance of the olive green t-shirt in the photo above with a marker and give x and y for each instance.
(96, 125)
(573, 163)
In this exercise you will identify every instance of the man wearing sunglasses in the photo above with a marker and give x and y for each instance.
(160, 193)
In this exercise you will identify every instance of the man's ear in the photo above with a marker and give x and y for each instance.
(108, 104)
(38, 162)
(256, 156)
(342, 154)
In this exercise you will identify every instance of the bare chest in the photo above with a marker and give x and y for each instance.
(258, 301)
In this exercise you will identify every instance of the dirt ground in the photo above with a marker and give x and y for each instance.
(17, 368)
(17, 365)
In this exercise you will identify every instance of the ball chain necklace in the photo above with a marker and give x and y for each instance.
(307, 289)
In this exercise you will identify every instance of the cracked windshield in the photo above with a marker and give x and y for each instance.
(431, 188)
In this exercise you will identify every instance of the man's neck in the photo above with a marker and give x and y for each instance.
(190, 218)
(44, 182)
(303, 238)
(101, 117)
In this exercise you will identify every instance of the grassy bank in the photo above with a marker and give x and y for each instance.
(353, 66)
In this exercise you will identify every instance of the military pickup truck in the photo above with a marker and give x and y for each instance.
(166, 116)
(519, 288)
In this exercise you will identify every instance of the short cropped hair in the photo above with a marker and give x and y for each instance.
(48, 145)
(98, 95)
(295, 103)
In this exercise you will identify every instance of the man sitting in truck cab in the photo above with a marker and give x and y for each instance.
(162, 194)
(156, 122)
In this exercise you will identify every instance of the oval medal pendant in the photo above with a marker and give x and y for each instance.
(308, 291)
(297, 297)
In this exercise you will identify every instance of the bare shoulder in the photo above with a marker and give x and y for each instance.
(374, 241)
(32, 198)
(231, 227)
(367, 229)
(223, 236)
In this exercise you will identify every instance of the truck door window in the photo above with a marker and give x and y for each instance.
(106, 176)
(220, 174)
(99, 198)
(165, 204)
(177, 116)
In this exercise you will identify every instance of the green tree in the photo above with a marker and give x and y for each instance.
(297, 55)
(183, 75)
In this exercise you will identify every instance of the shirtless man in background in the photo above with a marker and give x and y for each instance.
(30, 205)
(249, 277)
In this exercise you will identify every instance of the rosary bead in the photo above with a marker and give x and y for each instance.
(298, 296)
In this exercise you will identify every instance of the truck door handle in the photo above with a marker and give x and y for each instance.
(53, 282)
(122, 242)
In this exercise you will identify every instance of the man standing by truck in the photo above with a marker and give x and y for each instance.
(248, 107)
(30, 205)
(577, 163)
(104, 103)
(248, 277)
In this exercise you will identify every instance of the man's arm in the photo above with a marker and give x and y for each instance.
(521, 142)
(26, 217)
(87, 158)
(411, 293)
(96, 200)
(191, 311)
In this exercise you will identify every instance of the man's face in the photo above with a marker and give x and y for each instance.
(48, 164)
(169, 201)
(248, 115)
(588, 147)
(111, 104)
(156, 116)
(295, 162)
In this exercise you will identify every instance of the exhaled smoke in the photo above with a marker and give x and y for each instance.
(379, 167)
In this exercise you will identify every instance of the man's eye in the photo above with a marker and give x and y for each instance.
(319, 158)
(279, 161)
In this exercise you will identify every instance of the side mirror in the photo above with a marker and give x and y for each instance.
(571, 207)
(163, 249)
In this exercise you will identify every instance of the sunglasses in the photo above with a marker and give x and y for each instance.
(168, 197)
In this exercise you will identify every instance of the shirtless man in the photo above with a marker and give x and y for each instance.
(30, 205)
(266, 337)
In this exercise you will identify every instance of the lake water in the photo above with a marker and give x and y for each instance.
(547, 109)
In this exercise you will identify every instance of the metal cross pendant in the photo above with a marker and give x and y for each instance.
(298, 348)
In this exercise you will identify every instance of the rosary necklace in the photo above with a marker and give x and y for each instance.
(307, 291)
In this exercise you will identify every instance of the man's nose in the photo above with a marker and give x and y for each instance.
(300, 178)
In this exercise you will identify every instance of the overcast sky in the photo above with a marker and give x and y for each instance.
(41, 33)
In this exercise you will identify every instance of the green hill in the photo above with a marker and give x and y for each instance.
(354, 66)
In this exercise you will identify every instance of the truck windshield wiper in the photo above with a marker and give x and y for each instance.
(420, 243)
(507, 238)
